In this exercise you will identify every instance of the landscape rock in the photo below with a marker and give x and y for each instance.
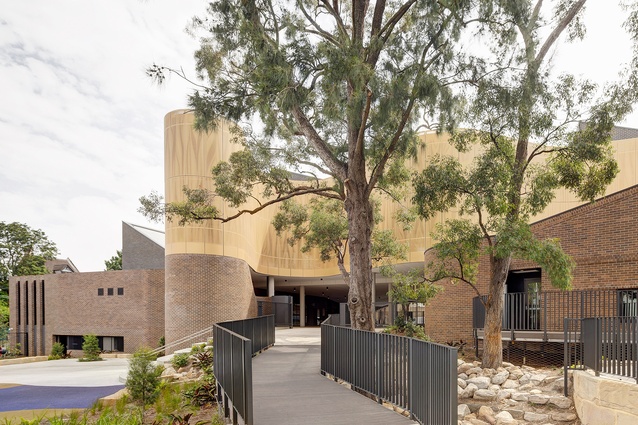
(500, 377)
(538, 399)
(481, 382)
(505, 418)
(535, 417)
(564, 417)
(486, 414)
(510, 384)
(485, 395)
(461, 383)
(463, 410)
(561, 402)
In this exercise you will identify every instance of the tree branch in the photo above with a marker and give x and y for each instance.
(323, 149)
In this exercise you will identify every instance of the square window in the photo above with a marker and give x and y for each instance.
(110, 291)
(100, 291)
(120, 291)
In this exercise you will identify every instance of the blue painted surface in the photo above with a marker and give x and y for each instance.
(28, 397)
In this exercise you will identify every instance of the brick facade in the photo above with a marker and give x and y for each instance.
(205, 289)
(600, 237)
(72, 306)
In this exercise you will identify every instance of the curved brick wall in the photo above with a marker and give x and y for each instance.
(205, 289)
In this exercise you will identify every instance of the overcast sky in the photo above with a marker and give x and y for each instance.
(81, 126)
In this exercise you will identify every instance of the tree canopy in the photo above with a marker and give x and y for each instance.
(115, 262)
(23, 251)
(338, 90)
(535, 132)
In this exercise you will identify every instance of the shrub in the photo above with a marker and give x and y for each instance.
(201, 394)
(408, 328)
(180, 360)
(143, 380)
(91, 348)
(204, 361)
(57, 351)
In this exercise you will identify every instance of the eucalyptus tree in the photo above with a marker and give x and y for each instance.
(536, 132)
(336, 89)
(23, 251)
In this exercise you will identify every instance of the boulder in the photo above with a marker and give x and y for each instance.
(561, 402)
(481, 382)
(484, 395)
(535, 417)
(564, 417)
(461, 383)
(505, 418)
(463, 410)
(500, 377)
(486, 414)
(538, 399)
(510, 384)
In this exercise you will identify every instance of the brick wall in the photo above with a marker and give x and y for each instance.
(601, 237)
(139, 252)
(205, 289)
(72, 306)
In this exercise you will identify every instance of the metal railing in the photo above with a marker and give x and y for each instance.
(194, 337)
(604, 344)
(415, 375)
(544, 311)
(235, 343)
(280, 306)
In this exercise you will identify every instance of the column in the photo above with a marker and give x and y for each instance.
(271, 286)
(302, 306)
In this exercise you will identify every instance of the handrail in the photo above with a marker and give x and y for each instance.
(415, 375)
(182, 340)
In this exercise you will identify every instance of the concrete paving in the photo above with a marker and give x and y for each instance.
(65, 373)
(58, 384)
(288, 387)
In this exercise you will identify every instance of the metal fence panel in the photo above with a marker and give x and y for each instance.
(416, 375)
(234, 344)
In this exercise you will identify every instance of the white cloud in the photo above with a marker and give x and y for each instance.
(81, 126)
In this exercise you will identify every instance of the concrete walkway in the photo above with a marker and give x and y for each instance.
(26, 389)
(288, 387)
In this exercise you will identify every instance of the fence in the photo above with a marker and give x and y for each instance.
(280, 306)
(604, 344)
(415, 375)
(545, 311)
(235, 343)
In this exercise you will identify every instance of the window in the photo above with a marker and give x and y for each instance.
(19, 305)
(26, 303)
(42, 300)
(35, 304)
(120, 291)
(628, 303)
(100, 292)
(109, 291)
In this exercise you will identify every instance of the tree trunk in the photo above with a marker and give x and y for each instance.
(360, 222)
(493, 344)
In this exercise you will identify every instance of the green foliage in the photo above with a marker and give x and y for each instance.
(57, 351)
(410, 287)
(405, 327)
(143, 380)
(115, 262)
(23, 251)
(339, 93)
(204, 361)
(180, 360)
(198, 348)
(91, 348)
(202, 393)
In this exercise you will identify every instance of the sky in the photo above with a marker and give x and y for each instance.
(81, 125)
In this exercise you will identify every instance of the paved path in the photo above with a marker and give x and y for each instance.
(59, 384)
(289, 389)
